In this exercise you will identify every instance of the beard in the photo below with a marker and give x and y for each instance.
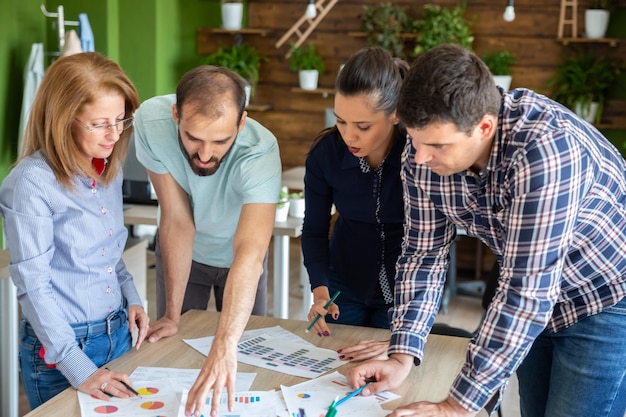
(201, 171)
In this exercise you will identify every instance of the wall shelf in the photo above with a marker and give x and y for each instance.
(325, 92)
(402, 35)
(611, 41)
(243, 31)
(258, 107)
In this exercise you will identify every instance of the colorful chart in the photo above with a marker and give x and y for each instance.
(147, 391)
(106, 409)
(304, 395)
(152, 405)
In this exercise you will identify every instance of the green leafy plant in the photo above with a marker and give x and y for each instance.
(582, 79)
(383, 25)
(244, 59)
(441, 25)
(499, 62)
(296, 195)
(283, 197)
(305, 57)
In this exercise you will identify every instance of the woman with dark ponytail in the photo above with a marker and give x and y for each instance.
(355, 166)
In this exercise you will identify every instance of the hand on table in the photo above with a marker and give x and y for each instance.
(364, 350)
(321, 328)
(138, 319)
(219, 371)
(387, 374)
(447, 408)
(162, 328)
(104, 382)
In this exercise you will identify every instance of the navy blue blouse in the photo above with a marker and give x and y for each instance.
(369, 228)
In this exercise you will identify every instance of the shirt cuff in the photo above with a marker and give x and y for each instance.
(76, 367)
(407, 343)
(474, 397)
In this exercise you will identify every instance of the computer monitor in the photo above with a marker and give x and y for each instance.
(136, 187)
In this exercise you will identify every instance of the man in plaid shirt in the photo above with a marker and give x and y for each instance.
(547, 193)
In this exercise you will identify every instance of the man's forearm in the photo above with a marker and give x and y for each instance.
(176, 254)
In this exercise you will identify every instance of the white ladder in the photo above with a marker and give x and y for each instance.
(304, 26)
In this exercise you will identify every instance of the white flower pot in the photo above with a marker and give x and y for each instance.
(232, 15)
(282, 213)
(503, 81)
(587, 113)
(596, 22)
(296, 208)
(248, 89)
(308, 79)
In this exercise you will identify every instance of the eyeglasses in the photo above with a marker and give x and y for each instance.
(101, 129)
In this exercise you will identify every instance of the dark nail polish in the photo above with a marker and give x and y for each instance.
(339, 351)
(350, 358)
(319, 334)
(326, 333)
(342, 356)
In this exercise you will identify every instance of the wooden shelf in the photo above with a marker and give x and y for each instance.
(242, 31)
(402, 35)
(325, 92)
(611, 41)
(258, 107)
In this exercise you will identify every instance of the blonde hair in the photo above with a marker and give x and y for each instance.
(69, 84)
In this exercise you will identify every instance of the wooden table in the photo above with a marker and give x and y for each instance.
(443, 359)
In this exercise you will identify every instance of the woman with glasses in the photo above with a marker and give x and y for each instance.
(62, 215)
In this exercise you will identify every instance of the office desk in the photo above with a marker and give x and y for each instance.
(147, 214)
(431, 381)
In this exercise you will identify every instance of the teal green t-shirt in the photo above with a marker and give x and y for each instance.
(250, 173)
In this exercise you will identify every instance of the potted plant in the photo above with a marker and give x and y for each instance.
(499, 63)
(597, 18)
(296, 204)
(582, 82)
(308, 64)
(383, 25)
(282, 207)
(232, 14)
(440, 25)
(244, 59)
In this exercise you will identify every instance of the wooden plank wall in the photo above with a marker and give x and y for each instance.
(296, 118)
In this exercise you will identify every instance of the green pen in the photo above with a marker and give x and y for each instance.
(332, 410)
(332, 300)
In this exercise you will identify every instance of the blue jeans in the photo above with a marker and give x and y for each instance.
(579, 371)
(358, 311)
(41, 382)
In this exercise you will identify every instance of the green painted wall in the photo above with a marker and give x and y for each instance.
(153, 40)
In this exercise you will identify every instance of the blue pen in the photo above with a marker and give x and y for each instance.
(352, 394)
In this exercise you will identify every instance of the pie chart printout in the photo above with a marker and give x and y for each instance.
(152, 405)
(145, 392)
(106, 409)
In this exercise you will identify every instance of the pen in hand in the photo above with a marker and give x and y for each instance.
(128, 387)
(328, 304)
(352, 394)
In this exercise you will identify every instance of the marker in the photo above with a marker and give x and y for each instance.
(332, 410)
(128, 387)
(352, 394)
(332, 300)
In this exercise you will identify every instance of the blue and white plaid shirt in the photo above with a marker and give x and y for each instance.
(550, 204)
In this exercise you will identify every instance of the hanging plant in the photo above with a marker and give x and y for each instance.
(441, 25)
(383, 26)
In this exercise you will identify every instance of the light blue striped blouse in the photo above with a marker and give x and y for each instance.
(66, 249)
